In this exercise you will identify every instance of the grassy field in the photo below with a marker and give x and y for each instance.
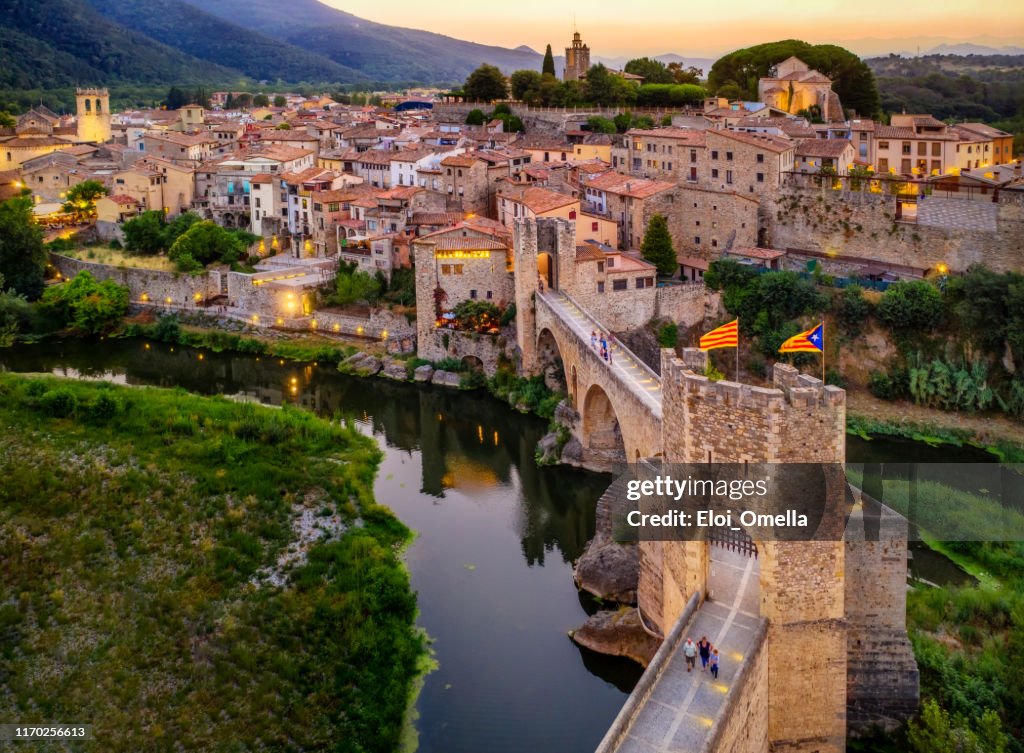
(137, 531)
(119, 258)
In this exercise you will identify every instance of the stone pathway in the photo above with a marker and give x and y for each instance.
(683, 705)
(626, 366)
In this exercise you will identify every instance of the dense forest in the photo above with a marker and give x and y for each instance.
(989, 88)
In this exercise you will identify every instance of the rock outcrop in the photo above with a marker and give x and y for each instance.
(617, 633)
(609, 570)
(423, 373)
(446, 378)
(360, 364)
(395, 369)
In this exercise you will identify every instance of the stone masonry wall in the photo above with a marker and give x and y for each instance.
(157, 286)
(864, 225)
(883, 681)
(797, 420)
(745, 723)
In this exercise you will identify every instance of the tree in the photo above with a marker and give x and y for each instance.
(547, 68)
(176, 227)
(657, 246)
(87, 305)
(597, 124)
(204, 243)
(7, 120)
(524, 81)
(653, 71)
(354, 286)
(261, 100)
(485, 84)
(176, 98)
(680, 75)
(598, 87)
(280, 101)
(244, 101)
(911, 306)
(851, 78)
(476, 117)
(145, 234)
(22, 256)
(283, 127)
(80, 199)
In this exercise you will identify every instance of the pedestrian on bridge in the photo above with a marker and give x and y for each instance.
(714, 663)
(704, 645)
(690, 652)
(593, 339)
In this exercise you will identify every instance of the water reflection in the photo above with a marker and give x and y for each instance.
(495, 537)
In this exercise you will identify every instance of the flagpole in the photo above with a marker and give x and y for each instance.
(823, 351)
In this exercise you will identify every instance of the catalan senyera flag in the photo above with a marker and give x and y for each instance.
(726, 336)
(811, 341)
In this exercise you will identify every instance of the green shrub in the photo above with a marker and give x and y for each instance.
(911, 307)
(103, 407)
(60, 403)
(852, 309)
(668, 335)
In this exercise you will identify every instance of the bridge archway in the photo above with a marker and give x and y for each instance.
(549, 356)
(601, 426)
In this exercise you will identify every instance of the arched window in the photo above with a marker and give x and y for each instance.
(99, 106)
(88, 105)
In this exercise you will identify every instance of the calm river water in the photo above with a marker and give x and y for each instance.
(496, 536)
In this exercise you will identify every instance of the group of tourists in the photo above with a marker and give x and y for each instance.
(599, 341)
(708, 655)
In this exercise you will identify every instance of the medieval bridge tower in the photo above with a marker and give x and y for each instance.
(837, 652)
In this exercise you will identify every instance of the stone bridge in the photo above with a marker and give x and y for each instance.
(618, 401)
(813, 632)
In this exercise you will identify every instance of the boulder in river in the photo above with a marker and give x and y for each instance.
(360, 364)
(609, 570)
(395, 369)
(446, 378)
(423, 373)
(617, 633)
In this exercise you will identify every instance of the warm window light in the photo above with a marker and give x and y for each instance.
(384, 335)
(168, 300)
(312, 324)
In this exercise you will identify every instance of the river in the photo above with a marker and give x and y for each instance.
(496, 535)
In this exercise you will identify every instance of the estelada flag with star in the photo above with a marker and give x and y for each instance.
(726, 336)
(811, 341)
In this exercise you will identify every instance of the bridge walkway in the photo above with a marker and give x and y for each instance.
(626, 367)
(682, 706)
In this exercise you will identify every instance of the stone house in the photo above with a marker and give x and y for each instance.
(747, 162)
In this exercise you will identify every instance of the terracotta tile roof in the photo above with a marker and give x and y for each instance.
(832, 148)
(776, 144)
(262, 178)
(589, 252)
(123, 199)
(627, 185)
(894, 132)
(19, 141)
(460, 160)
(983, 129)
(756, 253)
(692, 136)
(460, 243)
(435, 218)
(538, 200)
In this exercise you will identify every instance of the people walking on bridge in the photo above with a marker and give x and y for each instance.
(593, 339)
(690, 652)
(604, 347)
(704, 645)
(714, 663)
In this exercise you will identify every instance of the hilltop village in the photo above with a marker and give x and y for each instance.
(430, 182)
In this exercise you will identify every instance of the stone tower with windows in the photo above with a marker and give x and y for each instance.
(93, 115)
(577, 59)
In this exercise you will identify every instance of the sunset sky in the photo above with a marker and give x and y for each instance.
(707, 29)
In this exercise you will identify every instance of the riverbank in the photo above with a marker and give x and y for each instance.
(185, 563)
(999, 435)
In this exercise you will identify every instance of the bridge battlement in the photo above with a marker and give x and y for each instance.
(798, 419)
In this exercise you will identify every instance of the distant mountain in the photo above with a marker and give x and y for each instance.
(210, 38)
(59, 43)
(967, 48)
(378, 51)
